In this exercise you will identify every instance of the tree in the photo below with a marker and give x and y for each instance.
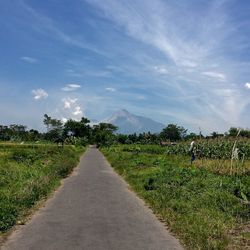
(245, 133)
(33, 135)
(233, 131)
(54, 128)
(47, 121)
(191, 136)
(214, 134)
(133, 138)
(103, 134)
(121, 138)
(173, 132)
(77, 128)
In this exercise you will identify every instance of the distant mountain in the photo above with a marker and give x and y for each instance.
(129, 123)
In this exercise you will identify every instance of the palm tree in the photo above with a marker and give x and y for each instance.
(47, 121)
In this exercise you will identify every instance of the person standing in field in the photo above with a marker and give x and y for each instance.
(191, 150)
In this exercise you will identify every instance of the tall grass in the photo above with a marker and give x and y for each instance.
(215, 153)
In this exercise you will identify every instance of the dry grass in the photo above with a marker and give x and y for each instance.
(240, 237)
(223, 166)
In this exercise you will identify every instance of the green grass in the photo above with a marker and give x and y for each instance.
(28, 173)
(200, 206)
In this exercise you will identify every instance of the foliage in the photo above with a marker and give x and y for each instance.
(18, 133)
(80, 132)
(200, 206)
(234, 131)
(29, 173)
(77, 128)
(54, 128)
(205, 148)
(103, 134)
(173, 132)
(74, 131)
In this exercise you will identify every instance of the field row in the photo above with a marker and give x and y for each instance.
(211, 149)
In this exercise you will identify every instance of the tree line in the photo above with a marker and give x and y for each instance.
(82, 133)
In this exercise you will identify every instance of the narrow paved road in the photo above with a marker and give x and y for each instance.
(93, 210)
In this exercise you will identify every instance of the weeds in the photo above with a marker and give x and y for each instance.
(29, 173)
(199, 204)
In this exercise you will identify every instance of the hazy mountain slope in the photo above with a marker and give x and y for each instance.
(129, 123)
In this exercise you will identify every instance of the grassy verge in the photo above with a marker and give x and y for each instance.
(28, 173)
(205, 209)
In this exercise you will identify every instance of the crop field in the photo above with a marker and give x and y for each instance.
(211, 148)
(206, 203)
(215, 155)
(28, 173)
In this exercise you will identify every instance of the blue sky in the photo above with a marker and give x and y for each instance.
(184, 61)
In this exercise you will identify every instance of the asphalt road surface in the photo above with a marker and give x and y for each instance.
(93, 210)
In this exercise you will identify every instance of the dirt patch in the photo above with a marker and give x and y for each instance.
(240, 238)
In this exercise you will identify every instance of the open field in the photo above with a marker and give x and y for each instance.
(206, 207)
(28, 173)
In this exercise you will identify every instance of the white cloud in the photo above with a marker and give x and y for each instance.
(64, 120)
(39, 94)
(68, 102)
(77, 110)
(76, 86)
(192, 58)
(247, 85)
(160, 25)
(70, 109)
(110, 89)
(71, 87)
(29, 59)
(161, 70)
(215, 75)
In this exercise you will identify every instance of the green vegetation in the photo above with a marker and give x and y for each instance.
(71, 132)
(173, 132)
(205, 148)
(205, 202)
(204, 207)
(80, 132)
(29, 173)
